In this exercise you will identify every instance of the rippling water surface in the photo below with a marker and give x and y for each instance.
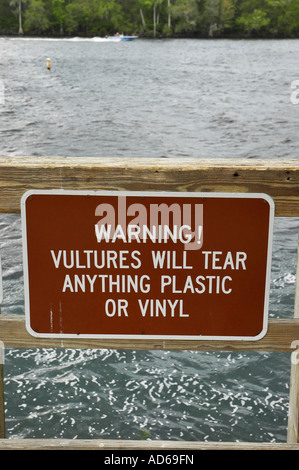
(172, 98)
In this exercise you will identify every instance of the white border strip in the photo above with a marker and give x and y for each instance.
(147, 194)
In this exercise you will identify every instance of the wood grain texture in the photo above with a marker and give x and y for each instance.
(2, 403)
(281, 333)
(275, 177)
(293, 415)
(279, 178)
(109, 444)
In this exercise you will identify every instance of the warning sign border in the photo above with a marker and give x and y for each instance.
(162, 194)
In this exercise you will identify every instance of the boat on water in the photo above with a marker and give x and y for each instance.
(127, 38)
(116, 38)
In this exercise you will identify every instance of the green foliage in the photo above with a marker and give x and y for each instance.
(288, 19)
(185, 15)
(8, 18)
(255, 21)
(36, 17)
(161, 18)
(57, 14)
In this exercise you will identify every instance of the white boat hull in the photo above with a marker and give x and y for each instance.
(115, 38)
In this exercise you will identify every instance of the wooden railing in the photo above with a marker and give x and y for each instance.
(275, 177)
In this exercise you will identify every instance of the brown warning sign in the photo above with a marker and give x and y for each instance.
(131, 264)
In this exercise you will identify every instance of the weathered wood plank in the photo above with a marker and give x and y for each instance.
(277, 178)
(281, 333)
(93, 444)
(293, 415)
(2, 403)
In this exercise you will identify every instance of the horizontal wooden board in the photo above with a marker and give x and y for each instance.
(109, 444)
(278, 178)
(281, 333)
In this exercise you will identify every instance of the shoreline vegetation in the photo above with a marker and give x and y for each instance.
(231, 19)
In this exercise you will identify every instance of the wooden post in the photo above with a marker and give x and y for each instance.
(2, 409)
(2, 405)
(293, 437)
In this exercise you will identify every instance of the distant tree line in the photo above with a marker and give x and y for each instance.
(151, 18)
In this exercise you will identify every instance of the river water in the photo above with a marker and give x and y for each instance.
(164, 98)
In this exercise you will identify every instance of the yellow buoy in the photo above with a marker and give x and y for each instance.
(49, 64)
